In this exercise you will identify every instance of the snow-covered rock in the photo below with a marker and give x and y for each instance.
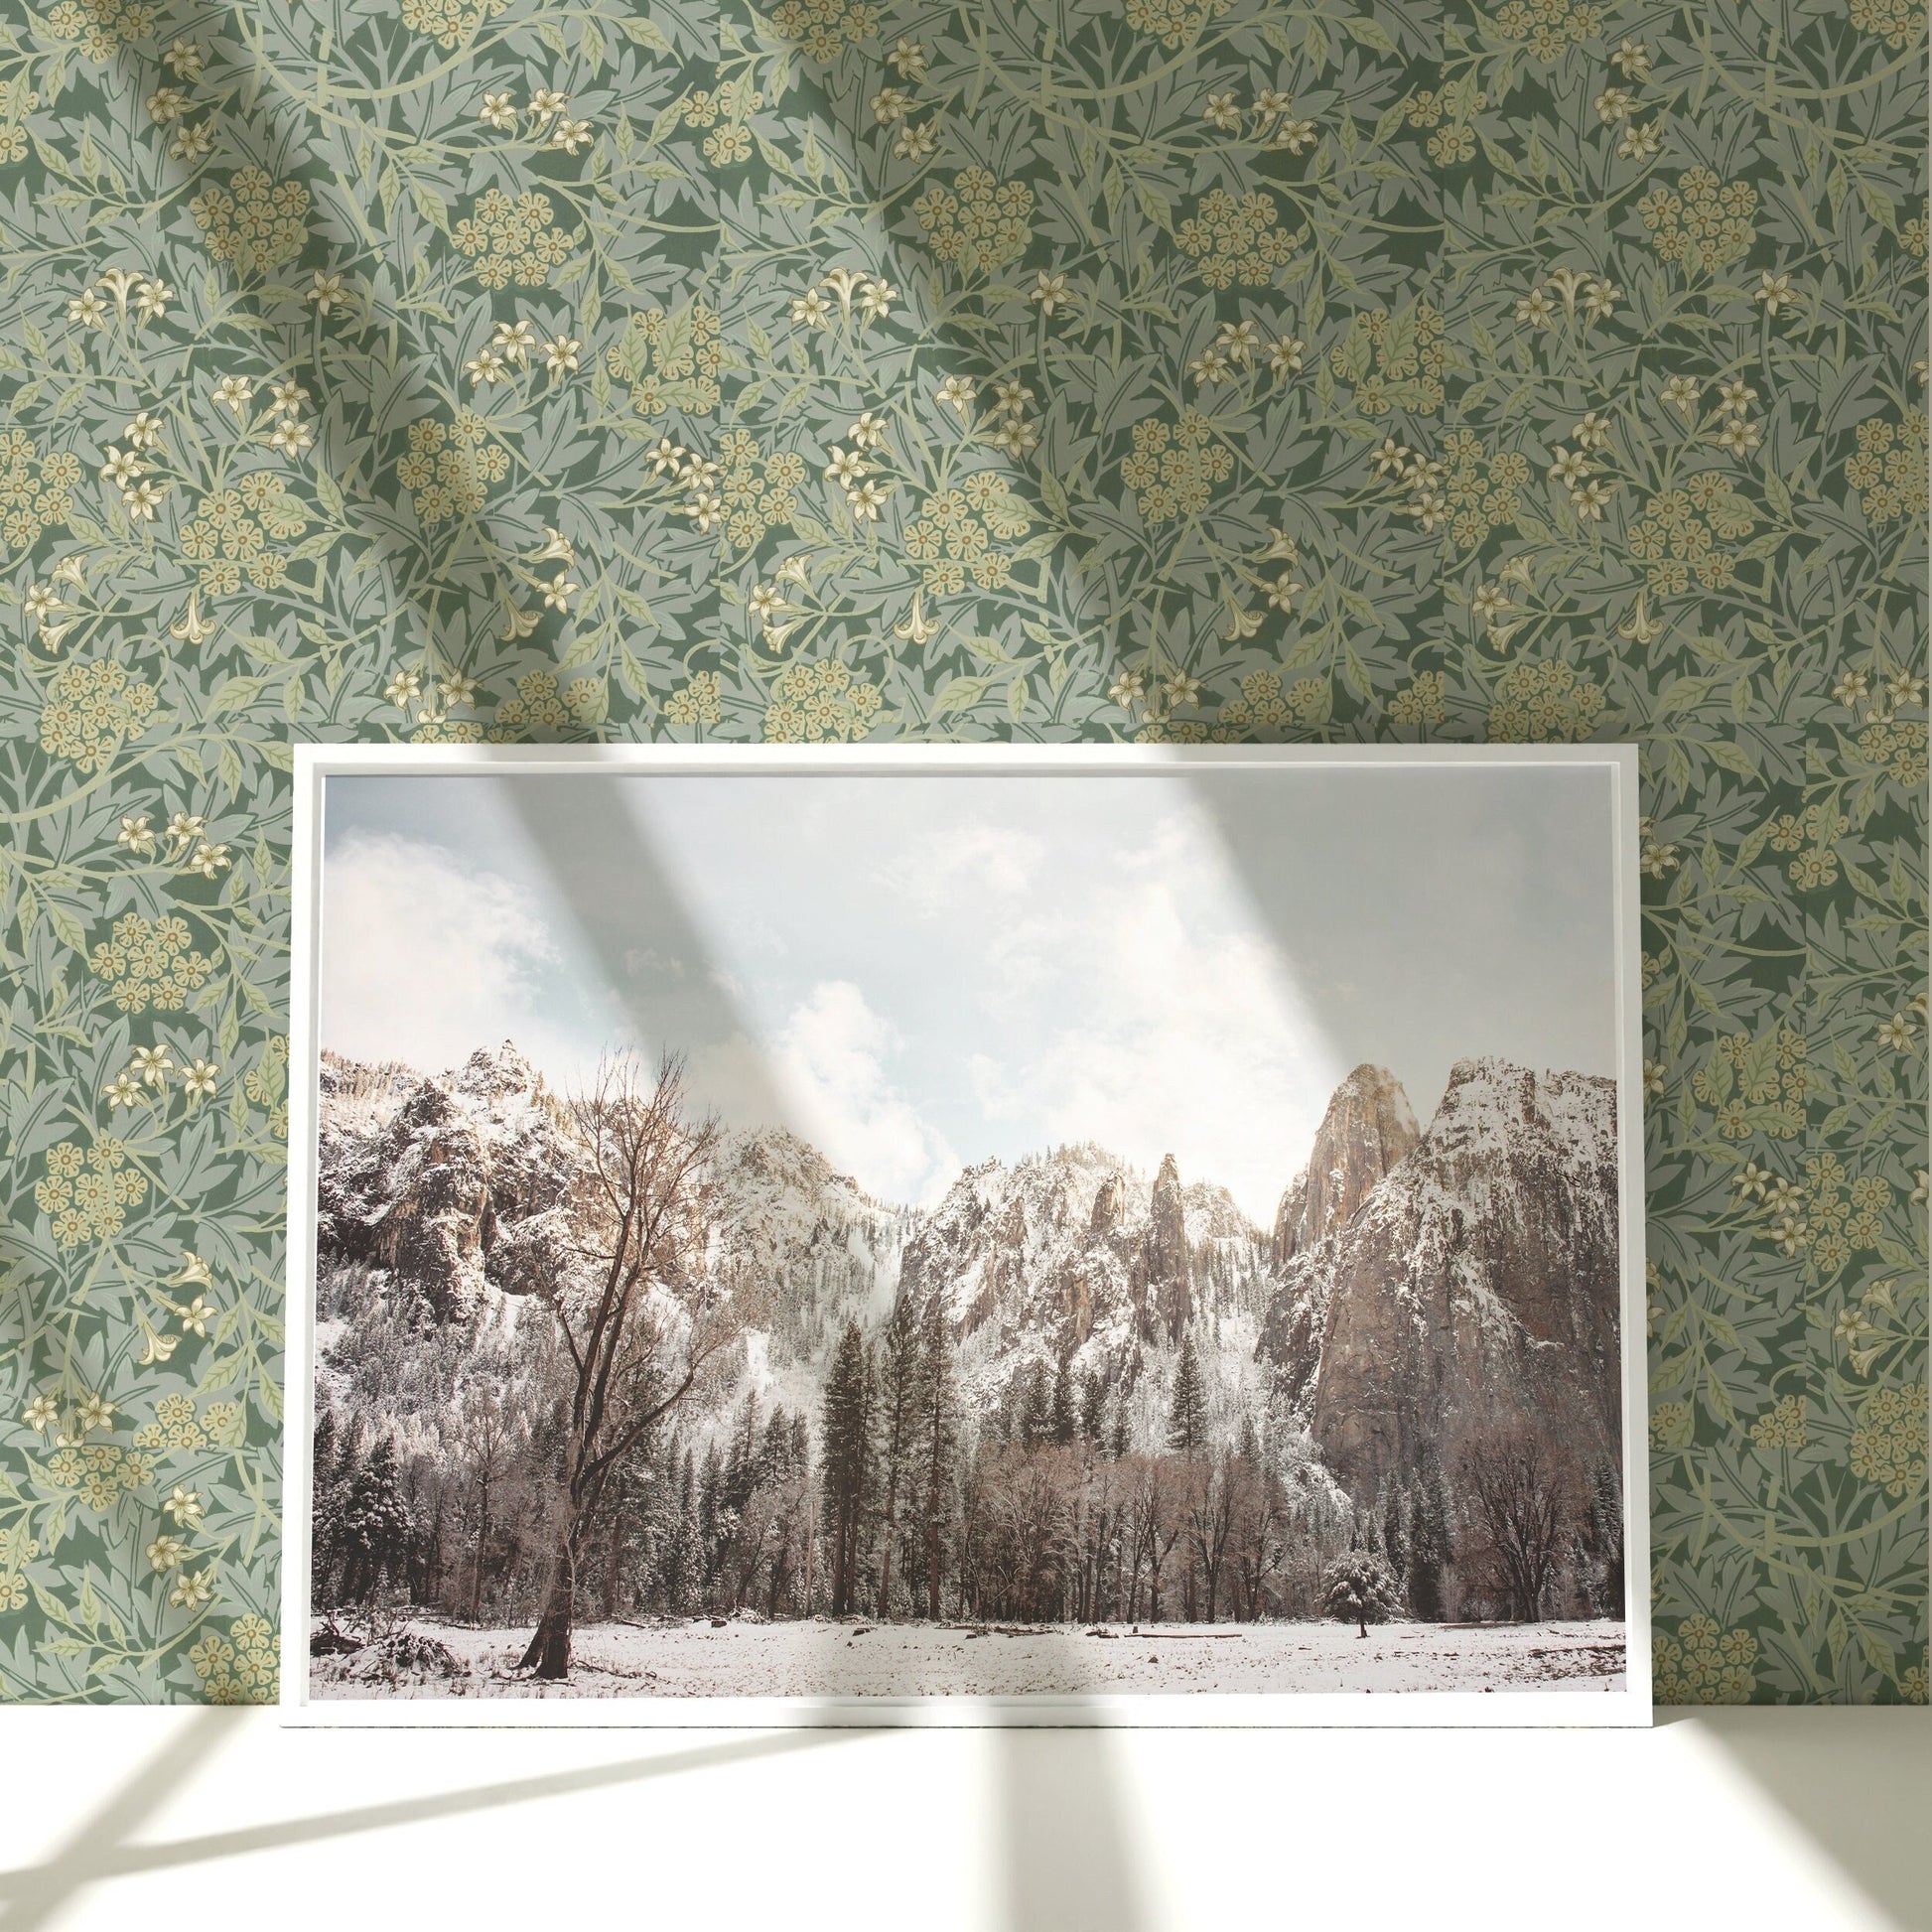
(1073, 1255)
(1476, 1288)
(1416, 1291)
(447, 1182)
(1368, 1127)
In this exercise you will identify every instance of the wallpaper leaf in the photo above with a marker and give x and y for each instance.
(1187, 370)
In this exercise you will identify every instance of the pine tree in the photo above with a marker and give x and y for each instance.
(325, 1529)
(714, 1514)
(684, 1579)
(1603, 1540)
(898, 1371)
(1187, 1408)
(741, 1459)
(937, 1442)
(376, 1524)
(845, 1431)
(1036, 1409)
(1395, 1541)
(1358, 1588)
(1060, 1423)
(777, 1461)
(1428, 1545)
(1093, 1409)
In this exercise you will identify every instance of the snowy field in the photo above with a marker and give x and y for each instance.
(692, 1658)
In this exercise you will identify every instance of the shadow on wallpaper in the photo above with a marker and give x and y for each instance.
(1214, 370)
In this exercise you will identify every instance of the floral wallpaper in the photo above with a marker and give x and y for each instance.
(1168, 371)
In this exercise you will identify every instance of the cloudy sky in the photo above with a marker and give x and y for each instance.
(921, 971)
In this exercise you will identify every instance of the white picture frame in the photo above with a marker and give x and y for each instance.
(316, 766)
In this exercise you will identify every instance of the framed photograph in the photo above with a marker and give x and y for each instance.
(935, 1235)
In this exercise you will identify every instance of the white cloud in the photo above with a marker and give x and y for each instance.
(424, 959)
(646, 962)
(832, 1054)
(827, 1073)
(1172, 1025)
(974, 858)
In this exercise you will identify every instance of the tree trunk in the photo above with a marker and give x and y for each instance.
(886, 1561)
(548, 1654)
(482, 1545)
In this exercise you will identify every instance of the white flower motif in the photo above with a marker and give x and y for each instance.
(1050, 292)
(328, 292)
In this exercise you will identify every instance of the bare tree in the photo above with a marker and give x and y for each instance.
(1516, 1499)
(1213, 1486)
(1259, 1535)
(1157, 1526)
(487, 1438)
(638, 1313)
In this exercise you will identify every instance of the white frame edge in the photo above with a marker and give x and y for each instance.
(316, 763)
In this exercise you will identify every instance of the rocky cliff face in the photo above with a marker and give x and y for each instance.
(1427, 1289)
(447, 1184)
(1370, 1127)
(1168, 1303)
(1071, 1254)
(809, 1242)
(1474, 1290)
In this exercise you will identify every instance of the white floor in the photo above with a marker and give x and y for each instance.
(1759, 1819)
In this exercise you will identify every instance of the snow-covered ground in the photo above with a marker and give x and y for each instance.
(820, 1658)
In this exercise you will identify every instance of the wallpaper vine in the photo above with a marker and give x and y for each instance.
(1180, 369)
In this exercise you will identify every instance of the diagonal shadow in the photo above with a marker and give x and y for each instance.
(99, 1850)
(35, 1893)
(1860, 1791)
(1063, 1819)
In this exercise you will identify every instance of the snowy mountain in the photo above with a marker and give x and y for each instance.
(1074, 1254)
(815, 1246)
(1416, 1291)
(1368, 1128)
(445, 1183)
(1474, 1289)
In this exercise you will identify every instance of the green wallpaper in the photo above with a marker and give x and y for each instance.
(1166, 370)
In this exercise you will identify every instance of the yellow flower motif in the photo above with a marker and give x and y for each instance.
(1784, 1425)
(1174, 465)
(1546, 703)
(1888, 1447)
(91, 709)
(1704, 1664)
(1173, 22)
(813, 703)
(512, 239)
(698, 703)
(1899, 23)
(252, 221)
(976, 224)
(1236, 238)
(449, 23)
(149, 963)
(241, 1668)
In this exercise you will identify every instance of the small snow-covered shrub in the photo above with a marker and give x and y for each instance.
(1359, 1588)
